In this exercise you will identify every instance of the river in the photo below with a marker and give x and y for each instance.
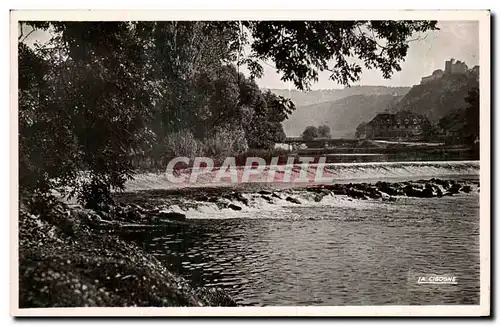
(339, 251)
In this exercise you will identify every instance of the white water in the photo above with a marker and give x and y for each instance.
(338, 172)
(259, 208)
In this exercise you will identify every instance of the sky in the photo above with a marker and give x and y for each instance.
(455, 39)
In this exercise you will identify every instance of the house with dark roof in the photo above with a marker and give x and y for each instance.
(400, 125)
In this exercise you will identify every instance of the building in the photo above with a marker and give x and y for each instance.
(452, 67)
(403, 124)
(435, 75)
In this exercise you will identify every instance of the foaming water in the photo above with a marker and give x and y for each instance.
(287, 246)
(338, 172)
(259, 208)
(256, 203)
(347, 252)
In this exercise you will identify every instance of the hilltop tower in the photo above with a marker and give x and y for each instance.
(448, 66)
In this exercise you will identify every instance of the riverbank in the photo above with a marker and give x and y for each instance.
(68, 259)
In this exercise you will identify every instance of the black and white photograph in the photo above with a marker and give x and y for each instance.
(251, 162)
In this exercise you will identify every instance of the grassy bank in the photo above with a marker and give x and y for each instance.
(66, 261)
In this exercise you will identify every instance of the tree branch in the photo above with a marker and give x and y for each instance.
(26, 35)
(20, 36)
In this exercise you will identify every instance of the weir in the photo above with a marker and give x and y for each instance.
(337, 172)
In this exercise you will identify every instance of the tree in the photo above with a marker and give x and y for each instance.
(83, 108)
(452, 119)
(324, 131)
(302, 49)
(361, 130)
(429, 130)
(464, 120)
(264, 130)
(97, 92)
(310, 133)
(472, 114)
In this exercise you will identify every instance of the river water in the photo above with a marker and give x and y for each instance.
(340, 251)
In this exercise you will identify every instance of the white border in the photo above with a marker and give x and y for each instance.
(470, 310)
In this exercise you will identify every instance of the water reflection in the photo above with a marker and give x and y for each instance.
(343, 256)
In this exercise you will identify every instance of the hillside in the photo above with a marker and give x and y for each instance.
(439, 97)
(342, 116)
(330, 95)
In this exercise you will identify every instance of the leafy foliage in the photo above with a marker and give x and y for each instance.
(310, 133)
(302, 49)
(439, 97)
(324, 131)
(81, 109)
(465, 121)
(98, 94)
(472, 113)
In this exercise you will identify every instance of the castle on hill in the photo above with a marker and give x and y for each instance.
(451, 67)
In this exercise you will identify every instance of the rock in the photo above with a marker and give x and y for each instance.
(318, 197)
(265, 192)
(386, 188)
(172, 216)
(293, 200)
(409, 191)
(354, 193)
(234, 207)
(362, 187)
(239, 197)
(418, 186)
(386, 197)
(466, 189)
(276, 195)
(372, 192)
(338, 189)
(427, 193)
(267, 198)
(445, 184)
(334, 187)
(455, 188)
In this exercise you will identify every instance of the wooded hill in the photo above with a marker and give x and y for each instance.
(439, 97)
(347, 109)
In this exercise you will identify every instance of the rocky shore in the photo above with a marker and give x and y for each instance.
(386, 190)
(69, 258)
(156, 206)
